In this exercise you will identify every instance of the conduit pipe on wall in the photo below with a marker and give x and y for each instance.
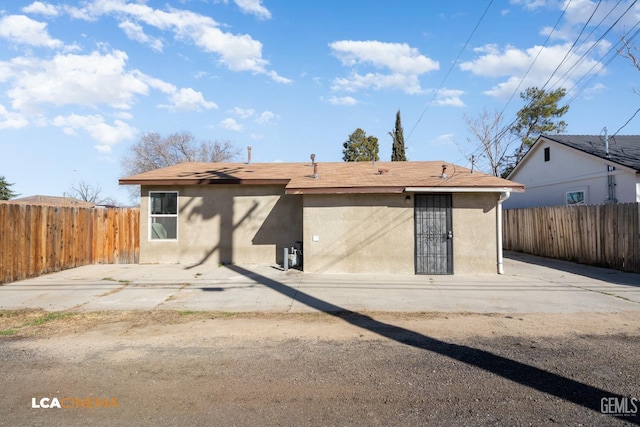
(503, 196)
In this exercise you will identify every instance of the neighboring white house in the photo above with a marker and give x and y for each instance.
(578, 169)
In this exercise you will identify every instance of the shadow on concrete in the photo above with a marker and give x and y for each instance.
(538, 379)
(597, 273)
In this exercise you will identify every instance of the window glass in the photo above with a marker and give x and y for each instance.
(575, 198)
(163, 213)
(164, 203)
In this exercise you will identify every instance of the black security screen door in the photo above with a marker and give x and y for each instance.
(434, 234)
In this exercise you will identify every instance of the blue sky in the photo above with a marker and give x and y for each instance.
(80, 81)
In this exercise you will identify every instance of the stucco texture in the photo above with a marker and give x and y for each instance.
(374, 233)
(341, 233)
(475, 247)
(358, 233)
(246, 224)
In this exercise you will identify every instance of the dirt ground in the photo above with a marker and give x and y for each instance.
(198, 368)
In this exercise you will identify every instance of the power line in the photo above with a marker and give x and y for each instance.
(435, 94)
(575, 42)
(628, 121)
(613, 52)
(567, 73)
(537, 56)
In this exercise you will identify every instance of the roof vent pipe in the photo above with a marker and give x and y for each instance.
(606, 141)
(315, 171)
(249, 155)
(444, 174)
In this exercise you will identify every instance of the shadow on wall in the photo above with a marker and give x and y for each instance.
(247, 217)
(282, 227)
(221, 207)
(538, 379)
(210, 207)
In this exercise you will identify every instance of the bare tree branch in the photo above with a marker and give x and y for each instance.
(630, 52)
(88, 193)
(153, 151)
(490, 144)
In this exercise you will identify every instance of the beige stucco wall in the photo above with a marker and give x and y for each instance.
(358, 233)
(374, 233)
(354, 233)
(226, 223)
(474, 233)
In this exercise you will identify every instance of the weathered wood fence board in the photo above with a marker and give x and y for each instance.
(601, 235)
(36, 239)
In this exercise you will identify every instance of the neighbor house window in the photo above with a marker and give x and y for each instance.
(163, 215)
(547, 154)
(575, 197)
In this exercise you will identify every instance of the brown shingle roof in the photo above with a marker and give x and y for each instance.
(336, 177)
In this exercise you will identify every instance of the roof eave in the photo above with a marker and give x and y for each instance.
(181, 181)
(397, 190)
(345, 190)
(518, 189)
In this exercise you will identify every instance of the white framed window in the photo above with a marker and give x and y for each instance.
(575, 197)
(163, 215)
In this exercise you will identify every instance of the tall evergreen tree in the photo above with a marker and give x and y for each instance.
(540, 115)
(360, 147)
(397, 149)
(5, 189)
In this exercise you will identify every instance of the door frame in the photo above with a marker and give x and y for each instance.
(445, 202)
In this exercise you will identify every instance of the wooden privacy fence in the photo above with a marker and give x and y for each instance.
(35, 239)
(601, 235)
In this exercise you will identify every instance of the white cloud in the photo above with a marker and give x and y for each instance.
(512, 63)
(530, 4)
(445, 139)
(404, 64)
(87, 80)
(449, 97)
(231, 124)
(242, 113)
(236, 52)
(12, 120)
(38, 7)
(135, 32)
(254, 7)
(575, 13)
(342, 100)
(355, 82)
(188, 99)
(21, 29)
(123, 115)
(593, 90)
(398, 57)
(580, 11)
(106, 134)
(265, 117)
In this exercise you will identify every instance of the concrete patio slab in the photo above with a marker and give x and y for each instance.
(530, 284)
